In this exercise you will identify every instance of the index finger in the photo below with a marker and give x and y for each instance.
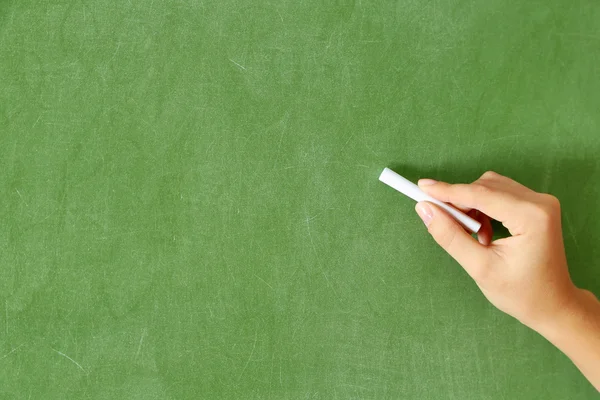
(501, 204)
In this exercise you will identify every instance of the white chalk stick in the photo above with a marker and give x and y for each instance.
(411, 190)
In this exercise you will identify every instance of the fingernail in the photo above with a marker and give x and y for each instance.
(426, 182)
(425, 212)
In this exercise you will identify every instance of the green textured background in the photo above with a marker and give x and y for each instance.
(189, 204)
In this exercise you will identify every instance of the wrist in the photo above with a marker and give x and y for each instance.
(576, 332)
(570, 317)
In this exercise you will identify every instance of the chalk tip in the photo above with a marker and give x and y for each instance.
(384, 173)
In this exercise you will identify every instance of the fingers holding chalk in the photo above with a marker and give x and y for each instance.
(423, 183)
(451, 236)
(500, 205)
(416, 193)
(486, 232)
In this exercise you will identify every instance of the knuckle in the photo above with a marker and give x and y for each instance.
(551, 201)
(542, 214)
(489, 175)
(547, 210)
(479, 188)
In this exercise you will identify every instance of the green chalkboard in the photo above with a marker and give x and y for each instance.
(189, 203)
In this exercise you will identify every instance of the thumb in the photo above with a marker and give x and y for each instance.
(461, 246)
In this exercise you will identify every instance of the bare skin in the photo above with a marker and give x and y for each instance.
(525, 275)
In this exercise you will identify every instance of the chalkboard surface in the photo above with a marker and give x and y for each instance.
(189, 203)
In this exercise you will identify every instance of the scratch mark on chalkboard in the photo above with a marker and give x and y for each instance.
(241, 66)
(278, 13)
(115, 53)
(312, 243)
(578, 35)
(12, 351)
(251, 354)
(367, 145)
(137, 353)
(480, 152)
(432, 310)
(265, 282)
(477, 361)
(461, 92)
(271, 373)
(36, 121)
(571, 231)
(121, 234)
(281, 139)
(283, 123)
(328, 282)
(70, 359)
(493, 372)
(19, 193)
(46, 217)
(339, 151)
(228, 269)
(298, 327)
(314, 153)
(349, 139)
(280, 378)
(330, 39)
(6, 316)
(308, 219)
(507, 137)
(512, 147)
(354, 386)
(293, 273)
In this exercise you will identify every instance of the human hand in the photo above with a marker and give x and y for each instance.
(524, 275)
